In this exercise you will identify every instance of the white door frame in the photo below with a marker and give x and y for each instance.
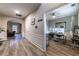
(45, 31)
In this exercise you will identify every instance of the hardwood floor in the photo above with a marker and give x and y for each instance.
(19, 48)
(22, 47)
(59, 49)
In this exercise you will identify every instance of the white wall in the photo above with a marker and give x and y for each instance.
(3, 23)
(36, 36)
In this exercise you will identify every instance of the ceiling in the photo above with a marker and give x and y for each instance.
(9, 9)
(64, 11)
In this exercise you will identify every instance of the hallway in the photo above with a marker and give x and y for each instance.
(35, 21)
(19, 47)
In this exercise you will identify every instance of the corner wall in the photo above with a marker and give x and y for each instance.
(36, 36)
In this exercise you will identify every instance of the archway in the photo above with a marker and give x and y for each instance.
(13, 28)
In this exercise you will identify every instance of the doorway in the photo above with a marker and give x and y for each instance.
(60, 22)
(13, 29)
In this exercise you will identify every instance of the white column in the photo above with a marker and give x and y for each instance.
(72, 20)
(45, 31)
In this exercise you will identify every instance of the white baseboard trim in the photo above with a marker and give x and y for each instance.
(35, 36)
(36, 45)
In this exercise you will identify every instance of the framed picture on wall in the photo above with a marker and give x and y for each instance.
(33, 21)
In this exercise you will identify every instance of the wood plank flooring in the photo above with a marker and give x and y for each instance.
(19, 48)
(59, 49)
(24, 48)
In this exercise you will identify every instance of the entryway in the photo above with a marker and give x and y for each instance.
(14, 30)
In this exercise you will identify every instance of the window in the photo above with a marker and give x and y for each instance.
(14, 28)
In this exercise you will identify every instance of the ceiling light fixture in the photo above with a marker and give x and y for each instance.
(17, 12)
(53, 15)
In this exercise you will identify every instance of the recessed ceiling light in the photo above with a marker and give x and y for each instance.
(53, 16)
(17, 12)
